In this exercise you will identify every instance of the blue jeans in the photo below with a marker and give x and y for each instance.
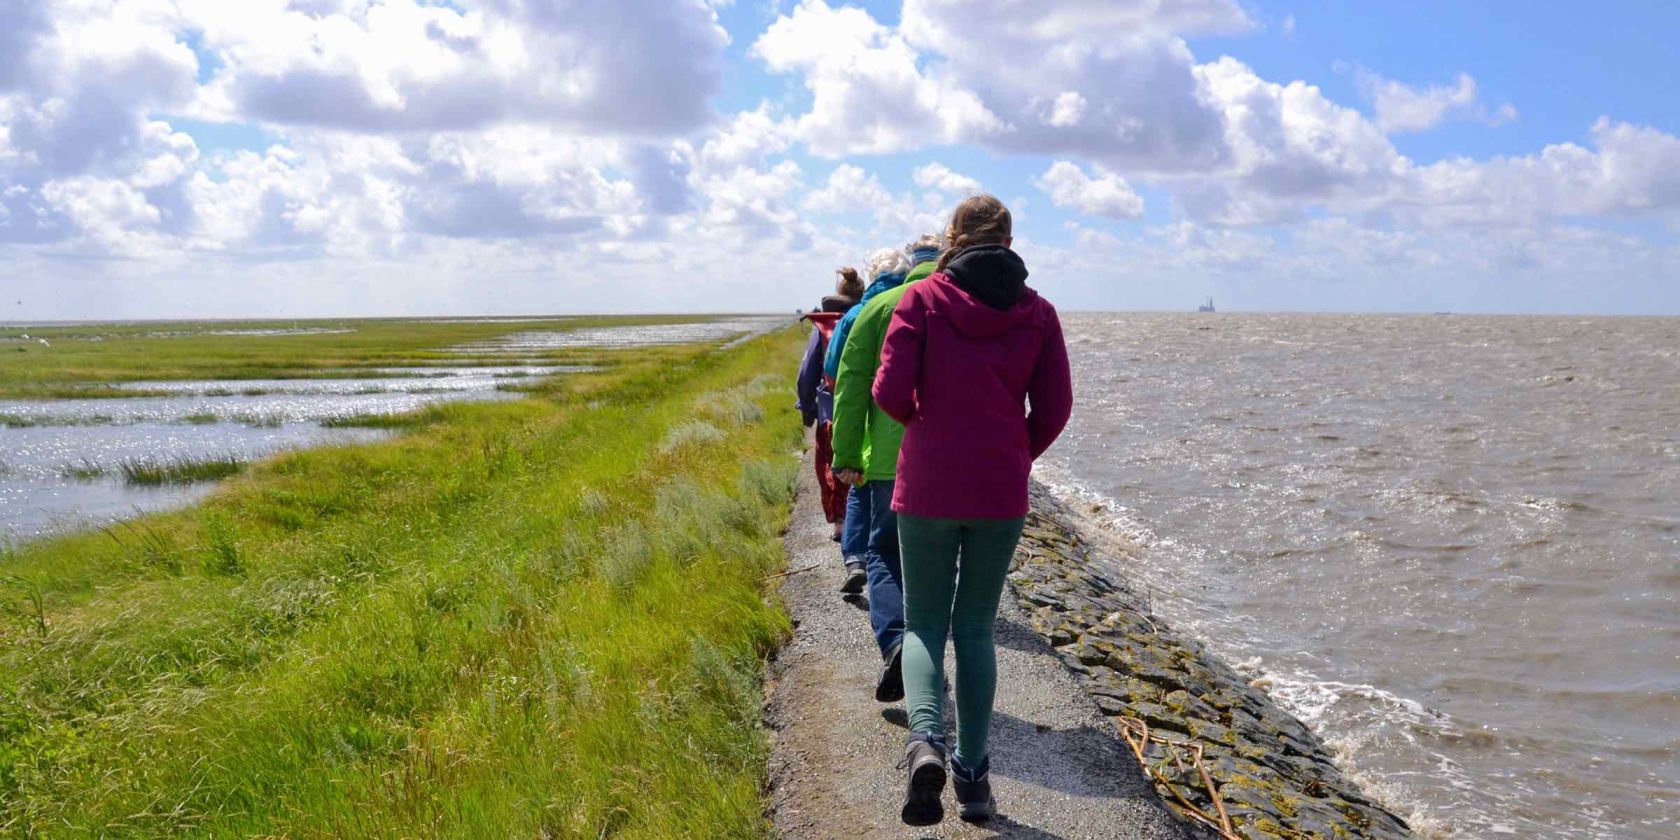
(854, 535)
(886, 576)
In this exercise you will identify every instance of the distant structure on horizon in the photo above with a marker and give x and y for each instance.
(1206, 307)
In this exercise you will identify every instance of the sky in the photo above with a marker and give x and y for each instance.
(299, 158)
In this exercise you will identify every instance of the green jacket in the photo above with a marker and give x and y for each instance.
(864, 436)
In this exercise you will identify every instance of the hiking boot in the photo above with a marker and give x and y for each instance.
(924, 764)
(974, 790)
(856, 577)
(890, 687)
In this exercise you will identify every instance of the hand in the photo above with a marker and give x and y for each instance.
(849, 476)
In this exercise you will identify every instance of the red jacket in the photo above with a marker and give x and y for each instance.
(958, 373)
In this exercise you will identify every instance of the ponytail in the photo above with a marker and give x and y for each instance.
(978, 220)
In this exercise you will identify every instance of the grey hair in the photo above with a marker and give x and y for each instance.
(936, 241)
(888, 261)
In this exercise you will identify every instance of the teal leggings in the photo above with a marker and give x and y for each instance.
(953, 576)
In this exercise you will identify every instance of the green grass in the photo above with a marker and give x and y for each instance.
(374, 421)
(521, 619)
(155, 472)
(84, 470)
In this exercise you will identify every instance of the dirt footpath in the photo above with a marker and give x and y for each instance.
(1058, 771)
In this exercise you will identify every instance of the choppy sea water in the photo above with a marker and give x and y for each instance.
(1449, 543)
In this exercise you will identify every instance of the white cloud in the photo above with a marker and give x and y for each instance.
(1112, 82)
(1067, 109)
(868, 94)
(1631, 171)
(1085, 22)
(1401, 108)
(1107, 194)
(109, 210)
(937, 176)
(849, 189)
(407, 65)
(573, 144)
(1289, 148)
(749, 137)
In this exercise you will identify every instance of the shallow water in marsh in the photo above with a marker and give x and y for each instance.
(1451, 544)
(38, 496)
(647, 335)
(60, 460)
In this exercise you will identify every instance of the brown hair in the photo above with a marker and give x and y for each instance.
(978, 220)
(850, 285)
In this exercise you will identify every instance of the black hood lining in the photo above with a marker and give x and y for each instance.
(991, 274)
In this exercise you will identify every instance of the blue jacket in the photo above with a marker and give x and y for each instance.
(831, 362)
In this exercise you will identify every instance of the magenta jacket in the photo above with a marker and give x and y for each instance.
(967, 348)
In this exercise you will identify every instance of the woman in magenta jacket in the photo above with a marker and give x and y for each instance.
(967, 351)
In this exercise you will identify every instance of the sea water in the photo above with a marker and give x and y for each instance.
(1450, 544)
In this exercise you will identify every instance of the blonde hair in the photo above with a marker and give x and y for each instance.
(887, 261)
(978, 220)
(927, 240)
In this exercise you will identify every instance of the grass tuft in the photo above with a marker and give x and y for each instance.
(691, 434)
(85, 470)
(155, 472)
(372, 421)
(770, 482)
(222, 555)
(626, 557)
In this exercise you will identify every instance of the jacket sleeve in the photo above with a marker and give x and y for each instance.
(901, 360)
(1050, 391)
(810, 375)
(851, 395)
(837, 342)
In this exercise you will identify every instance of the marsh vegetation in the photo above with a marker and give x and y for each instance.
(533, 617)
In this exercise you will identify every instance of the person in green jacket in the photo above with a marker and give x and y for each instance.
(866, 450)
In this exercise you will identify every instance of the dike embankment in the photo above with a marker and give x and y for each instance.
(1217, 749)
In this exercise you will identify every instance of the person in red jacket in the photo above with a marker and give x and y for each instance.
(975, 368)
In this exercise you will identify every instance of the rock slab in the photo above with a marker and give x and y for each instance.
(1274, 777)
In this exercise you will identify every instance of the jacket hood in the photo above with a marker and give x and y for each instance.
(992, 274)
(837, 303)
(881, 284)
(974, 318)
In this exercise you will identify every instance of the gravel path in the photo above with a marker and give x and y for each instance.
(1058, 769)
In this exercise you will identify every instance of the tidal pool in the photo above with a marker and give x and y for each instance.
(61, 460)
(41, 493)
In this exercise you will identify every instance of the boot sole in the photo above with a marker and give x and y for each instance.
(922, 805)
